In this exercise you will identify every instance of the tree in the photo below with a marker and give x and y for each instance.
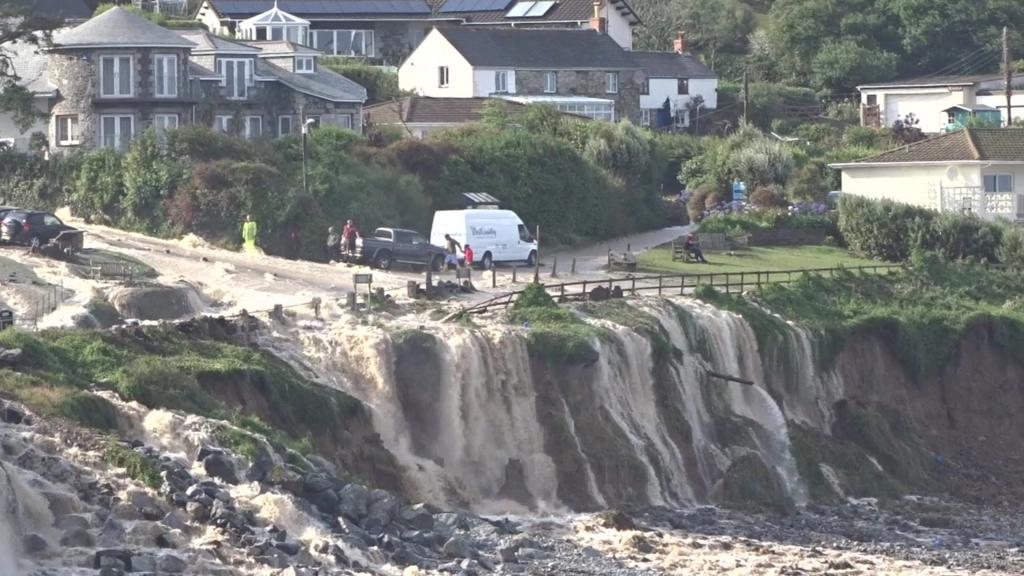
(841, 66)
(715, 27)
(21, 28)
(906, 131)
(150, 177)
(663, 19)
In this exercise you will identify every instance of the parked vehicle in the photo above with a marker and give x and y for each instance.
(389, 246)
(495, 235)
(32, 227)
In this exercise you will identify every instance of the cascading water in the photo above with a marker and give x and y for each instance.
(476, 419)
(10, 517)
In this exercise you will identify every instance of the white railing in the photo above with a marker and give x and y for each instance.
(987, 205)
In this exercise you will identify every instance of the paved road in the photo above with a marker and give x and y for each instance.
(594, 258)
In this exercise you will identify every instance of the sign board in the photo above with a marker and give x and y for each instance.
(362, 279)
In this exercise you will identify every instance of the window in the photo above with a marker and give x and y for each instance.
(597, 110)
(284, 125)
(165, 75)
(50, 220)
(304, 65)
(253, 126)
(950, 118)
(524, 234)
(116, 130)
(645, 117)
(872, 99)
(67, 130)
(645, 87)
(996, 183)
(550, 82)
(501, 81)
(345, 121)
(164, 122)
(442, 76)
(225, 124)
(612, 83)
(344, 42)
(235, 77)
(682, 86)
(116, 79)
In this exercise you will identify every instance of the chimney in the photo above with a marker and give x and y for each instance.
(597, 22)
(679, 45)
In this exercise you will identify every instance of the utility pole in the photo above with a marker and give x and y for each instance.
(746, 96)
(1009, 79)
(536, 260)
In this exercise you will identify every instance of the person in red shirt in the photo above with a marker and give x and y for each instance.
(467, 254)
(348, 236)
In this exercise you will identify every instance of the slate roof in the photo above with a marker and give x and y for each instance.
(206, 42)
(969, 144)
(538, 48)
(671, 65)
(563, 11)
(324, 83)
(201, 72)
(282, 47)
(120, 28)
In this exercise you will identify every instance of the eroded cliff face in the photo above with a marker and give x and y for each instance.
(493, 418)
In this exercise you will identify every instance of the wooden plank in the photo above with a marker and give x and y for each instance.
(726, 377)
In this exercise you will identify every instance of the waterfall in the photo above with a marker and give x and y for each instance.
(472, 421)
(10, 519)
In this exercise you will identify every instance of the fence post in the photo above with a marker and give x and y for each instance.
(514, 270)
(562, 296)
(682, 285)
(660, 278)
(573, 271)
(743, 281)
(633, 289)
(609, 259)
(494, 277)
(629, 247)
(554, 267)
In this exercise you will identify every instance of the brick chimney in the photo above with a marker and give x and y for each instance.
(679, 45)
(597, 22)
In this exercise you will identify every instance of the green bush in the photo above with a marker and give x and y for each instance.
(381, 85)
(1011, 249)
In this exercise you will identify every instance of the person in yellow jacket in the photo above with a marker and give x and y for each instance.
(249, 232)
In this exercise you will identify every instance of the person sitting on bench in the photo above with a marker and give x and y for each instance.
(692, 247)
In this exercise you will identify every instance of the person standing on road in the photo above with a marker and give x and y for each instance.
(467, 254)
(294, 242)
(249, 232)
(451, 251)
(332, 249)
(349, 234)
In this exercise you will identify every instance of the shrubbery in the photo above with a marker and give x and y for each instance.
(892, 231)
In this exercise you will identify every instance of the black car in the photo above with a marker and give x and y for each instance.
(391, 245)
(31, 227)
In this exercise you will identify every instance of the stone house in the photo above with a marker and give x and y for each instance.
(675, 85)
(118, 74)
(583, 72)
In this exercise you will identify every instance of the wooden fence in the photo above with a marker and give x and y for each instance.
(671, 285)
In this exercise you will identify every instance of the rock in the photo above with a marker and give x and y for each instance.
(179, 499)
(205, 451)
(112, 532)
(194, 491)
(34, 543)
(446, 523)
(416, 517)
(316, 482)
(197, 511)
(10, 357)
(327, 501)
(508, 554)
(323, 464)
(140, 499)
(170, 564)
(220, 466)
(111, 571)
(290, 547)
(162, 541)
(354, 501)
(750, 483)
(77, 537)
(73, 521)
(457, 547)
(143, 563)
(120, 559)
(9, 413)
(61, 503)
(152, 513)
(532, 554)
(176, 520)
(153, 301)
(616, 520)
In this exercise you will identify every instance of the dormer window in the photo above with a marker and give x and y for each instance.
(275, 24)
(304, 64)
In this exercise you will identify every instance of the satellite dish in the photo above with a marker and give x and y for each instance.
(952, 173)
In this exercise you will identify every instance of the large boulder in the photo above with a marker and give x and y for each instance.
(750, 483)
(155, 301)
(219, 465)
(355, 501)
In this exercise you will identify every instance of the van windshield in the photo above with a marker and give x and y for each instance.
(524, 234)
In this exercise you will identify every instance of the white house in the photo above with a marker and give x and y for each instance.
(882, 104)
(582, 72)
(978, 170)
(675, 85)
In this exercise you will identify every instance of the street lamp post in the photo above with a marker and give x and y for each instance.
(305, 173)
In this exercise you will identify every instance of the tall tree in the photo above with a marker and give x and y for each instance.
(715, 27)
(20, 26)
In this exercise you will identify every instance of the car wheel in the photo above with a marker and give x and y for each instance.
(437, 263)
(383, 260)
(531, 260)
(487, 262)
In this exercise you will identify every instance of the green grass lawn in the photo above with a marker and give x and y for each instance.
(659, 260)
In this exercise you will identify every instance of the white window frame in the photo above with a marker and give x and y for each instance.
(551, 82)
(119, 142)
(118, 59)
(995, 182)
(611, 83)
(501, 81)
(645, 117)
(165, 86)
(248, 126)
(367, 42)
(307, 65)
(291, 125)
(222, 123)
(160, 122)
(247, 70)
(73, 135)
(443, 77)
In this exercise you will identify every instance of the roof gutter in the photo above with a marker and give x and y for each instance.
(982, 163)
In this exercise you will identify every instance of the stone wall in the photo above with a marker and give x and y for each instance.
(589, 83)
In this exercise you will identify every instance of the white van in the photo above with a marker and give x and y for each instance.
(495, 235)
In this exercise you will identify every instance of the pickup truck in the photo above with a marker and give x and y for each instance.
(389, 246)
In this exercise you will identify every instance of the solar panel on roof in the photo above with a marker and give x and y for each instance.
(494, 4)
(540, 9)
(520, 9)
(309, 7)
